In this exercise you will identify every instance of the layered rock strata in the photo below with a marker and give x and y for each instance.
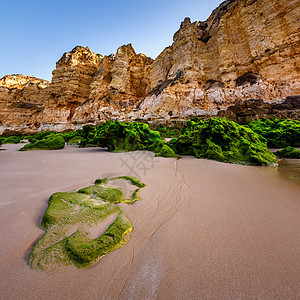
(246, 49)
(246, 111)
(22, 101)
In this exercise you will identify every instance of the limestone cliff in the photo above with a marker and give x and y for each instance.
(246, 49)
(120, 82)
(70, 85)
(22, 101)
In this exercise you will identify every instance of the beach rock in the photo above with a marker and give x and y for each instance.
(72, 220)
(246, 111)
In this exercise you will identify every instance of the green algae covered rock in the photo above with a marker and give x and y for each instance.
(166, 151)
(119, 136)
(40, 136)
(288, 152)
(83, 250)
(224, 141)
(167, 131)
(76, 232)
(53, 142)
(278, 133)
(13, 139)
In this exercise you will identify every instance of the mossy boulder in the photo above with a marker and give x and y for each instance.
(13, 139)
(119, 136)
(84, 250)
(71, 223)
(53, 142)
(278, 133)
(288, 152)
(40, 136)
(223, 140)
(167, 131)
(112, 195)
(166, 151)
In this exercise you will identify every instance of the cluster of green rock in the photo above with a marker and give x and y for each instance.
(120, 136)
(217, 139)
(168, 132)
(47, 140)
(13, 139)
(72, 217)
(288, 152)
(278, 133)
(53, 142)
(224, 141)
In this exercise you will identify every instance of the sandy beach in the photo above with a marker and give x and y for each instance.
(202, 230)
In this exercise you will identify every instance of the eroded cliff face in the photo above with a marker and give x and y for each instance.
(247, 49)
(22, 101)
(120, 82)
(70, 85)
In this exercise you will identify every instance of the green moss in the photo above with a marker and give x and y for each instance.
(167, 132)
(112, 195)
(60, 206)
(135, 181)
(166, 151)
(223, 140)
(13, 139)
(40, 136)
(84, 251)
(278, 133)
(69, 220)
(118, 136)
(53, 142)
(288, 152)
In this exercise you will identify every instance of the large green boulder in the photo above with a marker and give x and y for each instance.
(278, 133)
(288, 152)
(53, 142)
(119, 136)
(223, 140)
(75, 231)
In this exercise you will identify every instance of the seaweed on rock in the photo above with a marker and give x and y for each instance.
(166, 151)
(119, 136)
(71, 218)
(278, 133)
(288, 152)
(224, 141)
(53, 142)
(167, 132)
(13, 139)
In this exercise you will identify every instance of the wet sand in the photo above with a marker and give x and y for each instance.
(202, 230)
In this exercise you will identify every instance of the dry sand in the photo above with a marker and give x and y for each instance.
(203, 229)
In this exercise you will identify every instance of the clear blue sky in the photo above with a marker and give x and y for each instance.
(35, 34)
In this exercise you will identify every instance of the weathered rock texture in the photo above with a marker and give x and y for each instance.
(70, 85)
(247, 49)
(246, 111)
(120, 82)
(22, 101)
